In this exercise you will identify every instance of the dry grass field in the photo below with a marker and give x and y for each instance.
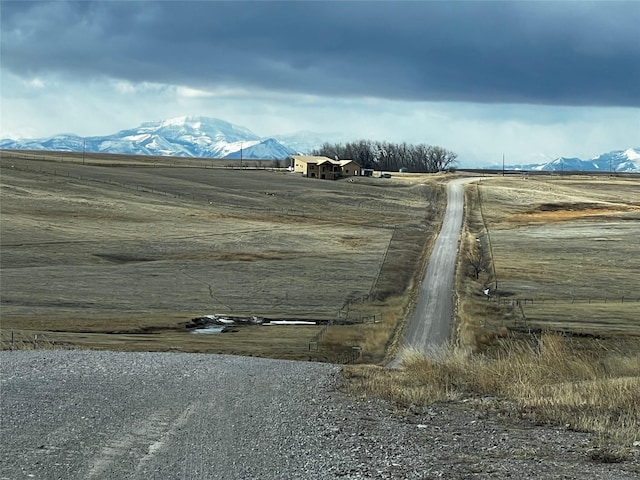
(121, 252)
(558, 338)
(567, 249)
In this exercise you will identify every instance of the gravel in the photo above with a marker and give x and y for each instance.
(107, 415)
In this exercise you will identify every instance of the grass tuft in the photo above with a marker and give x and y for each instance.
(609, 454)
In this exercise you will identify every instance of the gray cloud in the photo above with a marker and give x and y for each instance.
(562, 53)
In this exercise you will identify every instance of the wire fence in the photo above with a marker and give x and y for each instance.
(374, 285)
(349, 356)
(506, 300)
(488, 235)
(537, 309)
(345, 355)
(12, 340)
(345, 316)
(315, 340)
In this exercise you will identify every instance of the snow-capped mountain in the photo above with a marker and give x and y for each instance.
(183, 136)
(305, 142)
(267, 148)
(621, 161)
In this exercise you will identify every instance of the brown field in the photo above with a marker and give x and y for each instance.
(120, 253)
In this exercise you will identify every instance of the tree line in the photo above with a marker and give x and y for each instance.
(388, 156)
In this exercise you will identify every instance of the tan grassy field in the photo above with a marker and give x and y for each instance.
(567, 248)
(121, 254)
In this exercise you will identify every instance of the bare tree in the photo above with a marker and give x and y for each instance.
(391, 156)
(477, 262)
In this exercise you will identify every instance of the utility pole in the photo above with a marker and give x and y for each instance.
(503, 164)
(241, 143)
(84, 147)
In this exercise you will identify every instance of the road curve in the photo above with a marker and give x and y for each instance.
(429, 326)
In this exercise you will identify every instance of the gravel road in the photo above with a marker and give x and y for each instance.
(429, 326)
(107, 415)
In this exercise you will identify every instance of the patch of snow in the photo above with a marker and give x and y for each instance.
(289, 322)
(209, 330)
(632, 154)
(137, 138)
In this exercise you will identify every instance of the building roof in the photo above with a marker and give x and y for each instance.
(310, 159)
(329, 161)
(346, 162)
(320, 159)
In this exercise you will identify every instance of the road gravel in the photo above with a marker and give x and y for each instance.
(429, 325)
(107, 415)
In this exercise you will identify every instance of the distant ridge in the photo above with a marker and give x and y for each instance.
(187, 136)
(620, 161)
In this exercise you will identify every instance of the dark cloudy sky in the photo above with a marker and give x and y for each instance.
(530, 79)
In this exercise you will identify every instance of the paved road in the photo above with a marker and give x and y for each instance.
(430, 324)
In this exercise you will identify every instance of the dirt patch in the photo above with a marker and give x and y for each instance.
(560, 212)
(121, 258)
(554, 207)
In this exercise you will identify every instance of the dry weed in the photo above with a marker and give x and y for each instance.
(550, 381)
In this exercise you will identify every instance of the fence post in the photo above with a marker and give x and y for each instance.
(356, 353)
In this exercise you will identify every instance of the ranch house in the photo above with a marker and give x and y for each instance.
(324, 167)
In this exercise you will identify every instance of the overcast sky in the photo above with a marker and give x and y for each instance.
(533, 80)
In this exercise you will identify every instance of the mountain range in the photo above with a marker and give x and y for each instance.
(205, 137)
(621, 161)
(201, 137)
